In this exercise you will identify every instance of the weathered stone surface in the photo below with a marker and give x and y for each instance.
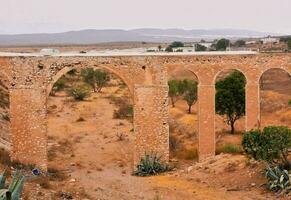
(31, 79)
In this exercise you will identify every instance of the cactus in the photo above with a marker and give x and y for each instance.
(149, 165)
(15, 188)
(278, 179)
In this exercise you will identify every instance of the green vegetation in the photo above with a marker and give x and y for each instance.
(190, 93)
(222, 44)
(15, 188)
(149, 165)
(187, 89)
(229, 148)
(125, 111)
(58, 86)
(79, 93)
(200, 47)
(289, 102)
(270, 145)
(173, 91)
(230, 98)
(97, 79)
(174, 45)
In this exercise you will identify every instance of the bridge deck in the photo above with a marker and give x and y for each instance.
(123, 53)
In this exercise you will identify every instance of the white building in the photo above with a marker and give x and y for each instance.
(49, 52)
(269, 40)
(184, 49)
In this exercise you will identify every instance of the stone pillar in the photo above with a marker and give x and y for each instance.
(151, 127)
(28, 126)
(206, 111)
(253, 116)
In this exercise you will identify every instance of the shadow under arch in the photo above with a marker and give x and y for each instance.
(65, 70)
(273, 68)
(274, 94)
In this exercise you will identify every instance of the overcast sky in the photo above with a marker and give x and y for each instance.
(30, 16)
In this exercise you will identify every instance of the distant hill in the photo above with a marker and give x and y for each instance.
(92, 36)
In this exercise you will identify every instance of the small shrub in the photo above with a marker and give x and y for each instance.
(289, 102)
(270, 145)
(229, 148)
(125, 111)
(79, 93)
(150, 165)
(59, 85)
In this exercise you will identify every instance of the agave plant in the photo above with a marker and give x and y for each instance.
(15, 188)
(278, 179)
(149, 165)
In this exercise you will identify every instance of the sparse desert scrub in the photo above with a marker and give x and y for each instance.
(228, 148)
(79, 93)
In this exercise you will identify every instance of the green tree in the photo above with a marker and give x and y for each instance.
(222, 44)
(173, 91)
(230, 98)
(190, 94)
(200, 47)
(96, 78)
(176, 44)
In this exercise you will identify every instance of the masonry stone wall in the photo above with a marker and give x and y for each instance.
(31, 79)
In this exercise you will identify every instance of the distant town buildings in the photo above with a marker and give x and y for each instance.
(270, 40)
(49, 52)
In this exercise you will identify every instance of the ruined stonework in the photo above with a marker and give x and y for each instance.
(31, 79)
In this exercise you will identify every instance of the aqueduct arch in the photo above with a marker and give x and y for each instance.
(30, 78)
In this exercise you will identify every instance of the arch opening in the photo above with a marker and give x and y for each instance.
(275, 98)
(183, 114)
(94, 134)
(230, 110)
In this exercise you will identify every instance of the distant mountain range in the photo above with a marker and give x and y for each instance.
(92, 36)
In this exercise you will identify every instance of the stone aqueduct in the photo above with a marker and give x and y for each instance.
(31, 78)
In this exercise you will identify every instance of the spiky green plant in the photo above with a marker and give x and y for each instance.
(149, 165)
(15, 188)
(278, 179)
